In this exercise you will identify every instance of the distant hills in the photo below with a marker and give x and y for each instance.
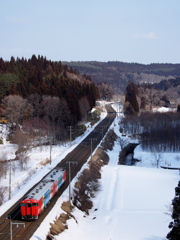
(118, 74)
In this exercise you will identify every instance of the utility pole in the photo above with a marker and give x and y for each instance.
(70, 132)
(10, 170)
(11, 237)
(70, 162)
(119, 108)
(50, 150)
(11, 231)
(92, 139)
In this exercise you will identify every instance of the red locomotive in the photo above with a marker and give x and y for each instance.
(40, 196)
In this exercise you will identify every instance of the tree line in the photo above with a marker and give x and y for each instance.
(44, 92)
(159, 132)
(166, 84)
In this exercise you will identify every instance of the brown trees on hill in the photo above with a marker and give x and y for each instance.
(42, 79)
(157, 131)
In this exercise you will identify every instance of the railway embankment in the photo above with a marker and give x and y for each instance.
(86, 185)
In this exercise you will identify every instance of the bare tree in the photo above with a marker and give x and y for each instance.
(157, 158)
(3, 193)
(122, 142)
(4, 165)
(51, 107)
(57, 116)
(23, 160)
(158, 131)
(14, 108)
(22, 140)
(24, 144)
(35, 101)
(106, 91)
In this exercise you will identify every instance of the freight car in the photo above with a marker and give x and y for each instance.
(35, 202)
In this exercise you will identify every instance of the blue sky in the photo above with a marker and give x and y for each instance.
(142, 31)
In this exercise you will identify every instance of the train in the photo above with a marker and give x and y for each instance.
(39, 197)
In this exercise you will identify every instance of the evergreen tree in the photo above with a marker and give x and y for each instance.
(174, 234)
(178, 108)
(131, 92)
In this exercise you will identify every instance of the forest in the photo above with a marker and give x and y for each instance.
(118, 74)
(157, 132)
(166, 84)
(42, 94)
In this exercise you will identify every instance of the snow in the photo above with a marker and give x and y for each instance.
(164, 109)
(132, 204)
(166, 159)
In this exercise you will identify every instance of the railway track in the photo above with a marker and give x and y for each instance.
(11, 225)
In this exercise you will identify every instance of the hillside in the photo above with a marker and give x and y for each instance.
(41, 93)
(118, 74)
(144, 97)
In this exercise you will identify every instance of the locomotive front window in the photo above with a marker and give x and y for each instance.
(34, 204)
(23, 204)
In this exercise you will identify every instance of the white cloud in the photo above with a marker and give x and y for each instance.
(150, 35)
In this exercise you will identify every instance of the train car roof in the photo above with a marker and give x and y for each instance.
(44, 184)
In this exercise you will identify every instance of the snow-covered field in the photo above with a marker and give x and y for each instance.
(133, 203)
(131, 206)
